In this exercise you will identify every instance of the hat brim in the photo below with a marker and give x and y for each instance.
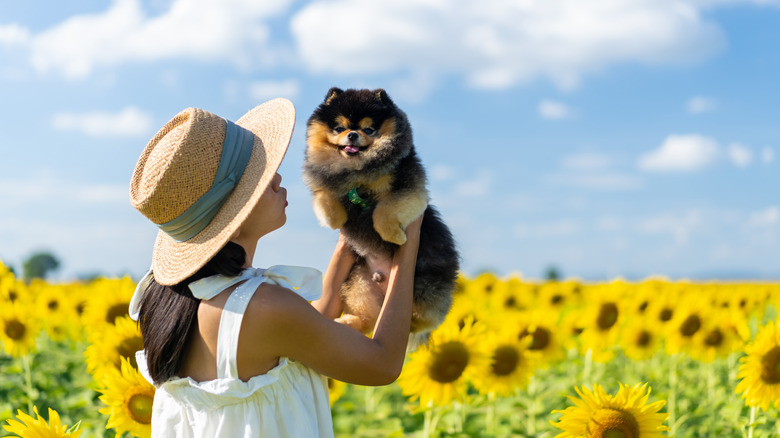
(272, 124)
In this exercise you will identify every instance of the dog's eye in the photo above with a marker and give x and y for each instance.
(369, 130)
(339, 129)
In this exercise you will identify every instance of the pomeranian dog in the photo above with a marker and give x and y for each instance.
(367, 180)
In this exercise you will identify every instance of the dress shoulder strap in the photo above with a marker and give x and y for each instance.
(230, 327)
(306, 282)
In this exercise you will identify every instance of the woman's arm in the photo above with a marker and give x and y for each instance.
(295, 329)
(329, 304)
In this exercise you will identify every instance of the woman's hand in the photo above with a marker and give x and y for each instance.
(329, 304)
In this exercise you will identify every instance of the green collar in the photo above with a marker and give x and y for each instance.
(356, 199)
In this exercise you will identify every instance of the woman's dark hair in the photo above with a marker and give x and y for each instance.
(168, 313)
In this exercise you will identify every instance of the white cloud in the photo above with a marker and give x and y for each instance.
(46, 189)
(228, 30)
(550, 109)
(479, 185)
(679, 226)
(601, 181)
(265, 90)
(13, 35)
(701, 104)
(767, 155)
(681, 153)
(740, 155)
(441, 172)
(587, 161)
(499, 43)
(765, 218)
(551, 229)
(129, 122)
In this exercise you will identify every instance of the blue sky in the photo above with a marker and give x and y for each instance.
(607, 138)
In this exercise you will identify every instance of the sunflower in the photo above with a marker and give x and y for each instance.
(760, 369)
(336, 389)
(18, 328)
(639, 338)
(468, 307)
(511, 364)
(52, 303)
(115, 342)
(511, 295)
(482, 285)
(439, 373)
(29, 427)
(13, 290)
(645, 293)
(719, 336)
(600, 415)
(109, 298)
(601, 320)
(558, 295)
(540, 327)
(129, 399)
(661, 309)
(689, 317)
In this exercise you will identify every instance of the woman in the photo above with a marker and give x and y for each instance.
(234, 350)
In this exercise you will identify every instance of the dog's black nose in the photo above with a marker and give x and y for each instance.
(352, 136)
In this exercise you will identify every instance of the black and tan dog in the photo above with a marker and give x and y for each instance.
(367, 180)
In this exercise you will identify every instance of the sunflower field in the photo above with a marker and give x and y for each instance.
(515, 358)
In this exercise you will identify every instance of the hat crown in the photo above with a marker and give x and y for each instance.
(178, 165)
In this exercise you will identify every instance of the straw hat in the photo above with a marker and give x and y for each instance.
(179, 166)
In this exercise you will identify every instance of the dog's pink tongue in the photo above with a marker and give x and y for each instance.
(351, 149)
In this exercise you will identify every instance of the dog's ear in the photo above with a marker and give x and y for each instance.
(333, 92)
(381, 95)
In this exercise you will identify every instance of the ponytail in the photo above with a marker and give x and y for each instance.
(169, 313)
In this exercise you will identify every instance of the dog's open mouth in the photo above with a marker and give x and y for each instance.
(352, 150)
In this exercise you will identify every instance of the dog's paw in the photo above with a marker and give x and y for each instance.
(330, 212)
(336, 219)
(387, 224)
(355, 322)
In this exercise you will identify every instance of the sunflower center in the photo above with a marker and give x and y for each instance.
(556, 299)
(643, 338)
(53, 305)
(128, 347)
(665, 314)
(612, 423)
(116, 311)
(608, 315)
(449, 362)
(770, 366)
(505, 360)
(714, 338)
(691, 325)
(643, 306)
(540, 338)
(139, 405)
(14, 329)
(510, 303)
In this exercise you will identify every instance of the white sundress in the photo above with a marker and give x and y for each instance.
(290, 400)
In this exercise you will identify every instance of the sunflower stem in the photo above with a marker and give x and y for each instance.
(27, 364)
(531, 407)
(711, 393)
(752, 420)
(586, 369)
(460, 409)
(673, 393)
(491, 414)
(369, 399)
(427, 424)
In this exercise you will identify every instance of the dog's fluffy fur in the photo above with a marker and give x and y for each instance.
(359, 141)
